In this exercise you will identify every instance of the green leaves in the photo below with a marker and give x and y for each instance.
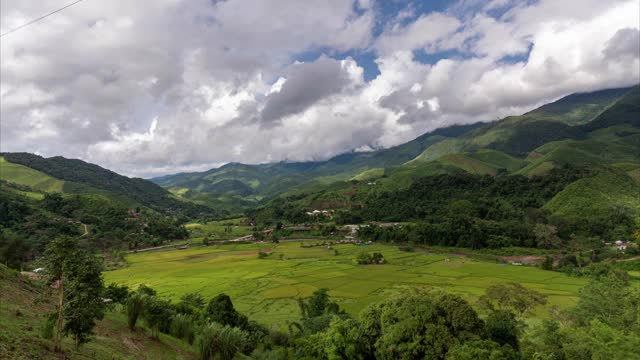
(78, 275)
(222, 341)
(511, 297)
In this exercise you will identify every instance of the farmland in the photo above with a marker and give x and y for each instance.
(266, 289)
(219, 230)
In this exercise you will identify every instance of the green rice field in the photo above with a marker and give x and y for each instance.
(266, 289)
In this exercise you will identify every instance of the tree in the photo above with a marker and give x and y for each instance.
(511, 297)
(220, 309)
(546, 236)
(609, 300)
(157, 314)
(344, 339)
(544, 341)
(420, 325)
(117, 293)
(481, 350)
(503, 328)
(318, 304)
(14, 249)
(78, 278)
(84, 304)
(193, 299)
(547, 263)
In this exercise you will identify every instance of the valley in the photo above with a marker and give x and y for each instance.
(513, 229)
(267, 289)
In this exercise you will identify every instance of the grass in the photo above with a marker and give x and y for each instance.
(23, 310)
(23, 175)
(369, 174)
(266, 290)
(468, 164)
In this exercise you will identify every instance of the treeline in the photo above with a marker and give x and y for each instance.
(28, 225)
(419, 324)
(139, 190)
(475, 211)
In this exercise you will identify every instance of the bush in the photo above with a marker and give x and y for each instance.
(375, 258)
(117, 293)
(222, 341)
(183, 327)
(547, 263)
(135, 306)
(47, 330)
(406, 248)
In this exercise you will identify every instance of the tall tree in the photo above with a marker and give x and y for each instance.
(77, 277)
(84, 302)
(511, 297)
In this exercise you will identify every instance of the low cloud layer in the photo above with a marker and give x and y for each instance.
(171, 85)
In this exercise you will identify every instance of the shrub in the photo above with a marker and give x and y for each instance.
(47, 330)
(183, 327)
(117, 293)
(375, 258)
(157, 314)
(221, 341)
(135, 306)
(547, 263)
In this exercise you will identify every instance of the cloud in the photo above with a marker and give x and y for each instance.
(305, 84)
(428, 32)
(624, 44)
(173, 85)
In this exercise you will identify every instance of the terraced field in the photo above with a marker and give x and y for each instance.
(266, 289)
(23, 175)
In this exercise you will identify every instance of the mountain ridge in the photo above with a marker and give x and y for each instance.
(511, 139)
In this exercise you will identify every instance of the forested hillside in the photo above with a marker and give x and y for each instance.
(77, 176)
(572, 182)
(42, 199)
(571, 130)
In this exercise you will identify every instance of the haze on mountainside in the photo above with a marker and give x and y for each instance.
(149, 89)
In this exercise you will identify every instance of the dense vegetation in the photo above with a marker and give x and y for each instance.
(467, 210)
(27, 225)
(488, 186)
(419, 324)
(142, 192)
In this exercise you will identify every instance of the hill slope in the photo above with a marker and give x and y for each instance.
(609, 146)
(23, 312)
(58, 174)
(506, 146)
(238, 186)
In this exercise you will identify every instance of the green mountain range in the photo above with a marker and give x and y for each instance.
(598, 129)
(33, 176)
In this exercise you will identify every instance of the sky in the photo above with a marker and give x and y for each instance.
(149, 88)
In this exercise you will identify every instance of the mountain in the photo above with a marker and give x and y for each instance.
(571, 130)
(236, 187)
(608, 146)
(73, 176)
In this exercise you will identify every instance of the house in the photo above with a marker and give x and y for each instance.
(622, 246)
